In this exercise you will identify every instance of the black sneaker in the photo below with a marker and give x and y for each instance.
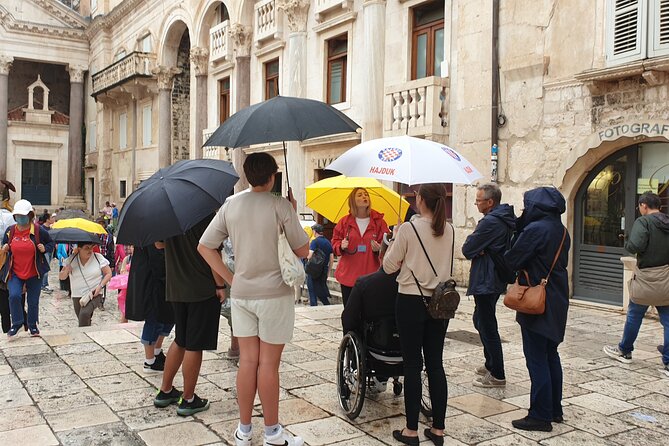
(197, 405)
(157, 366)
(11, 334)
(163, 399)
(160, 357)
(532, 424)
(34, 331)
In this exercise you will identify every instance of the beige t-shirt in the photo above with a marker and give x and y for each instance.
(406, 255)
(250, 220)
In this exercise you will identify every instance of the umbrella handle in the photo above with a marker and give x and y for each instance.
(285, 161)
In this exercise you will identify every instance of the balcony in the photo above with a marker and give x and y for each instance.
(210, 153)
(324, 6)
(418, 107)
(131, 66)
(267, 22)
(220, 43)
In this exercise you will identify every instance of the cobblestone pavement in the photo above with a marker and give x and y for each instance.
(87, 386)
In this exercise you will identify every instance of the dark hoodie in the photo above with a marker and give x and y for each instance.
(490, 236)
(649, 240)
(539, 235)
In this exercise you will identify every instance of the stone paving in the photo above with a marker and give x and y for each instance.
(79, 386)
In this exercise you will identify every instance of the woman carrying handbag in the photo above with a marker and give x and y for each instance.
(541, 249)
(421, 336)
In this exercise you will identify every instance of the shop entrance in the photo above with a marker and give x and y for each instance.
(605, 210)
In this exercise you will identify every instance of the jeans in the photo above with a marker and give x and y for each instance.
(33, 287)
(421, 336)
(318, 290)
(154, 329)
(543, 363)
(45, 277)
(635, 314)
(485, 322)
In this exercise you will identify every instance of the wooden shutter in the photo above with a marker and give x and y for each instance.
(626, 30)
(659, 28)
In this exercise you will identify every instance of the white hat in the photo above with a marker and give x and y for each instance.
(22, 207)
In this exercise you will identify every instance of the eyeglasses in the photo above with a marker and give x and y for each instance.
(477, 201)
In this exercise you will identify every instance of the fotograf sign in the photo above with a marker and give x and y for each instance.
(645, 128)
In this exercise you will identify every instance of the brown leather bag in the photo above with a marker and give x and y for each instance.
(530, 299)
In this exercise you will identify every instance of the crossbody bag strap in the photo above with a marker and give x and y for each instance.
(557, 254)
(424, 250)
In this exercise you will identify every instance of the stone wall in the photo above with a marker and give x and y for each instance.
(181, 103)
(56, 78)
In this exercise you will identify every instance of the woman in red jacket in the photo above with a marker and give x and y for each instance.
(357, 240)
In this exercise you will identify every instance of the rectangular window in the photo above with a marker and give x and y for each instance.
(123, 131)
(122, 189)
(119, 55)
(92, 136)
(636, 30)
(224, 99)
(94, 5)
(337, 57)
(271, 79)
(427, 42)
(146, 126)
(277, 189)
(145, 44)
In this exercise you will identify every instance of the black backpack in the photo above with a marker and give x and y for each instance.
(316, 264)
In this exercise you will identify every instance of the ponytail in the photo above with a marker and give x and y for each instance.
(434, 196)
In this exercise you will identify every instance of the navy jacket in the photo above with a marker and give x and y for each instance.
(539, 233)
(491, 235)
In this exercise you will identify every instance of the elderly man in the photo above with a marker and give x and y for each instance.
(489, 240)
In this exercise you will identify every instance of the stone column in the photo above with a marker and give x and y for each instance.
(373, 19)
(296, 12)
(75, 196)
(133, 160)
(5, 65)
(199, 58)
(241, 40)
(165, 76)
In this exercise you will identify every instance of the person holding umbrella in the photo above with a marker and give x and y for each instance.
(25, 244)
(357, 240)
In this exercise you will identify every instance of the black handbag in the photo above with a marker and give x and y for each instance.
(445, 299)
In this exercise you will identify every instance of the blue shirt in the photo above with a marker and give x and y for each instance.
(114, 213)
(323, 244)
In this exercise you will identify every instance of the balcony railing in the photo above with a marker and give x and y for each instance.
(418, 107)
(133, 65)
(220, 44)
(267, 22)
(323, 6)
(213, 153)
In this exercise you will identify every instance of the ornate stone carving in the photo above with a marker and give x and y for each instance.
(296, 13)
(165, 76)
(241, 39)
(76, 73)
(5, 64)
(199, 58)
(10, 22)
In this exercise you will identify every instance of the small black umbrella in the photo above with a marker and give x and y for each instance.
(72, 213)
(282, 119)
(174, 199)
(73, 235)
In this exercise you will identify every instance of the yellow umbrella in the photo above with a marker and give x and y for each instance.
(80, 223)
(329, 198)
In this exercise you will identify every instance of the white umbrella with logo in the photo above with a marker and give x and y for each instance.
(406, 160)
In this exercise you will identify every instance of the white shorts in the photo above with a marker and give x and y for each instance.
(272, 320)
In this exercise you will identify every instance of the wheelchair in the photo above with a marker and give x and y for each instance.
(364, 356)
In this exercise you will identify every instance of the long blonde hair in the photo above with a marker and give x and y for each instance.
(351, 202)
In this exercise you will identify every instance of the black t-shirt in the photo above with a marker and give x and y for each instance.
(188, 277)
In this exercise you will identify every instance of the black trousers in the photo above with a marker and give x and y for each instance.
(4, 311)
(345, 293)
(485, 322)
(421, 337)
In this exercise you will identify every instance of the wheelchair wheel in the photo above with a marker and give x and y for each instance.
(397, 387)
(425, 401)
(351, 377)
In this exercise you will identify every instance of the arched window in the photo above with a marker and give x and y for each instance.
(222, 13)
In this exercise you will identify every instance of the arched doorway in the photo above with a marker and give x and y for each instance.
(605, 210)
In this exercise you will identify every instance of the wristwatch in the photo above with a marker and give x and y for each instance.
(221, 287)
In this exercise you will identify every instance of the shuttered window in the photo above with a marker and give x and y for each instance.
(146, 126)
(636, 30)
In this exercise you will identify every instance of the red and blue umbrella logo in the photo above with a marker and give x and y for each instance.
(452, 153)
(390, 154)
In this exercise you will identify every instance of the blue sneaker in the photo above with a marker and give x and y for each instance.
(34, 331)
(11, 334)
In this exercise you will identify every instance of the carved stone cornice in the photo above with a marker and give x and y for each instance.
(5, 64)
(296, 13)
(199, 59)
(62, 13)
(165, 76)
(241, 37)
(20, 26)
(76, 73)
(106, 21)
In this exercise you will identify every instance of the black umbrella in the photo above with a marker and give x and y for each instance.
(282, 119)
(74, 235)
(72, 213)
(174, 199)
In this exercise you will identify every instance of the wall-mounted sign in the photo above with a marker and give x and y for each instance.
(645, 128)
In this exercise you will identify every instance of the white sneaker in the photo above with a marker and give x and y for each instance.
(242, 439)
(377, 386)
(283, 438)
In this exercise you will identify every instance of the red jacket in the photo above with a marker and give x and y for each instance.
(353, 263)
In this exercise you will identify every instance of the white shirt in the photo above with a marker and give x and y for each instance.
(362, 224)
(81, 284)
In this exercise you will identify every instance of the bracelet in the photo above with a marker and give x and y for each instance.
(221, 287)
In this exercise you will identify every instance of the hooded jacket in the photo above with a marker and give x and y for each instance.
(649, 240)
(491, 235)
(353, 263)
(539, 233)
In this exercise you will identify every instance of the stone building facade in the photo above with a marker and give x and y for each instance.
(570, 101)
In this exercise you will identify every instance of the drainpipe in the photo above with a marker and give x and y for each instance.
(494, 118)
